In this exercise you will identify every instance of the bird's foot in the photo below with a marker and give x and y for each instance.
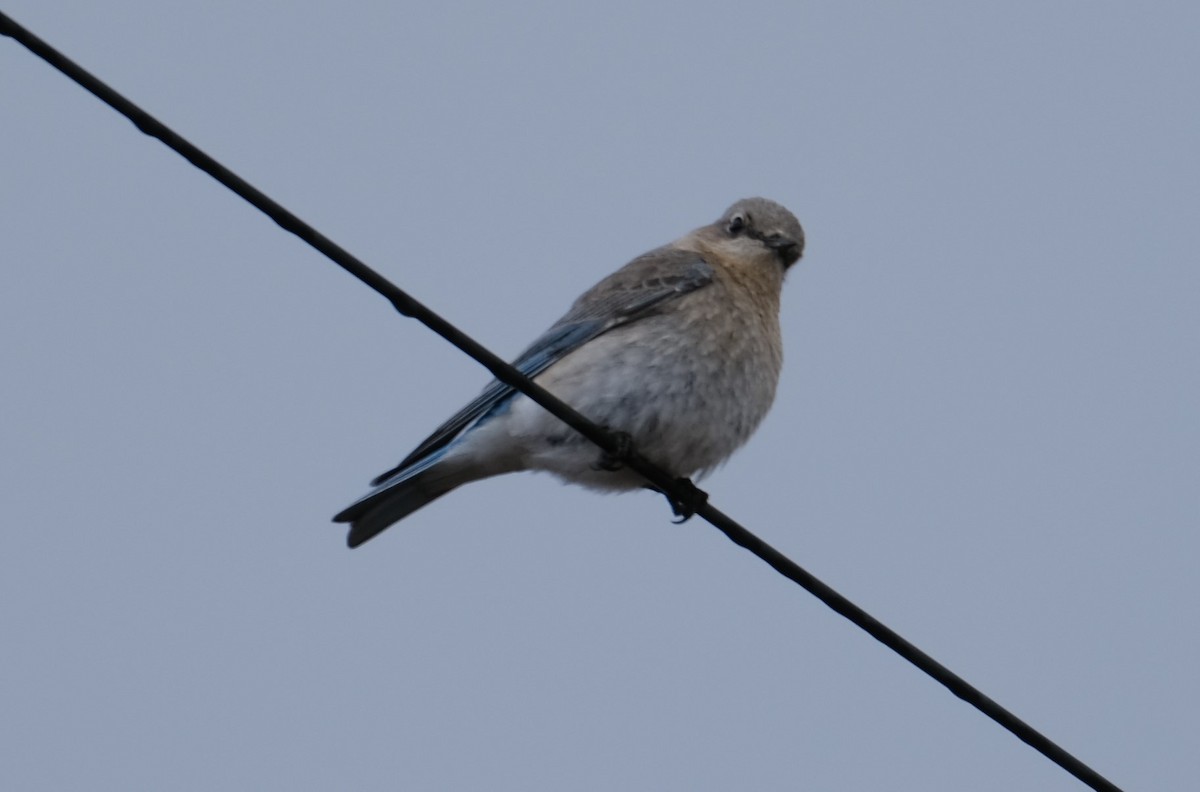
(616, 459)
(692, 498)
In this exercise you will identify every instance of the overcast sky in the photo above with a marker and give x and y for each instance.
(986, 433)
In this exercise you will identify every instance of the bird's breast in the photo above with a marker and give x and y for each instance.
(689, 385)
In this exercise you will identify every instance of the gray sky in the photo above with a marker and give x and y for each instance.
(986, 434)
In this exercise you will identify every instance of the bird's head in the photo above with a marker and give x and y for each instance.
(754, 227)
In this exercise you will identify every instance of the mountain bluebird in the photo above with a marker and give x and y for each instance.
(679, 349)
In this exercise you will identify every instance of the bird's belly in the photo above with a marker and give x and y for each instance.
(686, 407)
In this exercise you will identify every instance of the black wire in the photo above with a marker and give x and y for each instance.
(678, 490)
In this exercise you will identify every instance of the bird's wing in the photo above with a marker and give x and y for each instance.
(636, 290)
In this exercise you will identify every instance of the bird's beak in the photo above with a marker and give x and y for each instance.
(787, 250)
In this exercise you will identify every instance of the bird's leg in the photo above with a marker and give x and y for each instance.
(616, 459)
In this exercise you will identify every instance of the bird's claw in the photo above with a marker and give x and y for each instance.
(693, 498)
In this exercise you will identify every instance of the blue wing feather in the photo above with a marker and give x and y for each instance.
(634, 291)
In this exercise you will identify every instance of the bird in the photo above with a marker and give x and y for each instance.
(678, 352)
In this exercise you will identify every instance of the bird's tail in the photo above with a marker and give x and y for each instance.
(395, 499)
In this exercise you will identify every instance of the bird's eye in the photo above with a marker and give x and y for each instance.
(737, 223)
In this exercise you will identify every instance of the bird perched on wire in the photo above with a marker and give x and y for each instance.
(679, 351)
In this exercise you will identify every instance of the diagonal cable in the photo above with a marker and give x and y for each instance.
(678, 490)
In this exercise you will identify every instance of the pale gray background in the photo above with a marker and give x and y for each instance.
(986, 432)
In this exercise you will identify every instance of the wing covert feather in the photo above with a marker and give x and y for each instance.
(630, 293)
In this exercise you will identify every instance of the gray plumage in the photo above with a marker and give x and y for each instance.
(680, 349)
